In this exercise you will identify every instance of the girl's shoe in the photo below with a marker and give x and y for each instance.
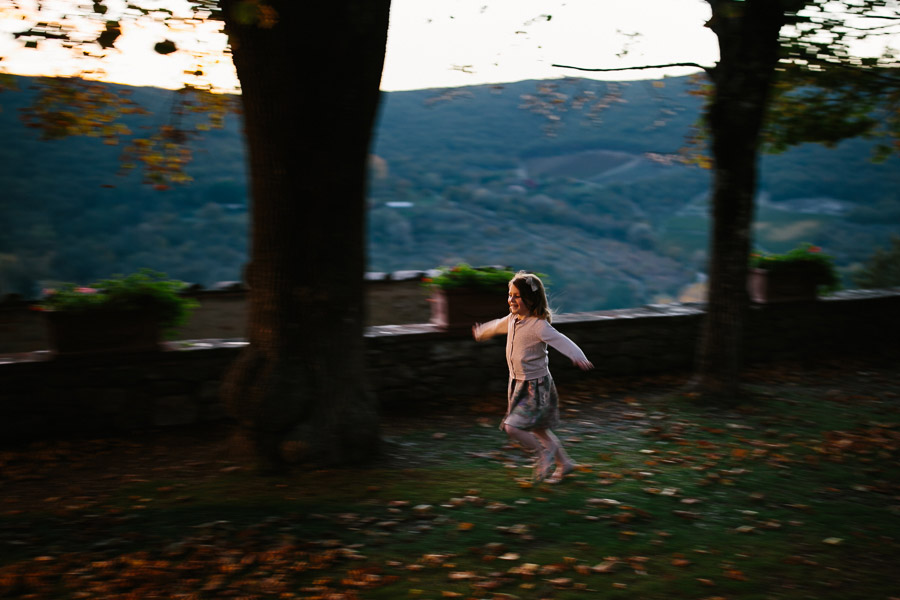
(543, 465)
(561, 471)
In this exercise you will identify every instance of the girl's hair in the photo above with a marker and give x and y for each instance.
(531, 288)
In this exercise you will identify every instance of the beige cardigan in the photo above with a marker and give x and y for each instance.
(526, 344)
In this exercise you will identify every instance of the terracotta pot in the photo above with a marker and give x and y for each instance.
(458, 309)
(102, 332)
(789, 285)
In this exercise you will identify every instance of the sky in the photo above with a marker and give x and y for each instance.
(440, 43)
(431, 43)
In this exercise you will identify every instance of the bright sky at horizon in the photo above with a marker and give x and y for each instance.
(431, 43)
(448, 43)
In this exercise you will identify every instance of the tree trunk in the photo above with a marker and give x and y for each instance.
(742, 80)
(310, 90)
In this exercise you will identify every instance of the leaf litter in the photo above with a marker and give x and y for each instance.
(795, 494)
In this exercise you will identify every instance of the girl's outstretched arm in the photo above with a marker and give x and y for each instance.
(584, 365)
(562, 343)
(483, 331)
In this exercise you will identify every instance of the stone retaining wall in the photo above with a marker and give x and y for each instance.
(391, 298)
(45, 397)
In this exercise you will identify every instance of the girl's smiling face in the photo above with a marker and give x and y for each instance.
(516, 304)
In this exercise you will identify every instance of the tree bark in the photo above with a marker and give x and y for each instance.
(742, 80)
(310, 90)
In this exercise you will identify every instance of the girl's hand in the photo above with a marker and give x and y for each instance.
(584, 365)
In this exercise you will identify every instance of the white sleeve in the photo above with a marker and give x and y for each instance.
(488, 330)
(554, 338)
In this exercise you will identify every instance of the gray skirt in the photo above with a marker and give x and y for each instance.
(532, 404)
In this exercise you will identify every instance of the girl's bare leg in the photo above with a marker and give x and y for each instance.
(533, 442)
(526, 439)
(564, 463)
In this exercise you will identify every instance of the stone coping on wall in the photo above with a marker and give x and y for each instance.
(413, 329)
(426, 329)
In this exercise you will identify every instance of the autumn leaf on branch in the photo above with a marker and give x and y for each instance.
(70, 106)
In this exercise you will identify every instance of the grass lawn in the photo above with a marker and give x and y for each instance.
(793, 494)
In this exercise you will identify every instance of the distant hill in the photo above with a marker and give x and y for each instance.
(507, 174)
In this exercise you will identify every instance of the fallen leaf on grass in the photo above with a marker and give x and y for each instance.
(605, 567)
(603, 502)
(462, 575)
(582, 569)
(525, 569)
(686, 514)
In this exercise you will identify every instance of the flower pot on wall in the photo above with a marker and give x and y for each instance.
(78, 333)
(785, 285)
(458, 309)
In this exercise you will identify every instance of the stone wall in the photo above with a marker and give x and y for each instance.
(391, 298)
(45, 397)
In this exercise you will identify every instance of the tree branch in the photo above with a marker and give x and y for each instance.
(682, 64)
(877, 73)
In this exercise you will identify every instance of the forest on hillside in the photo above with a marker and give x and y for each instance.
(571, 178)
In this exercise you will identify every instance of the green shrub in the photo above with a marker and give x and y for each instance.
(467, 276)
(145, 290)
(806, 258)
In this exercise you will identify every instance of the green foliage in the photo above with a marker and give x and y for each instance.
(467, 276)
(825, 92)
(806, 258)
(485, 186)
(145, 290)
(883, 268)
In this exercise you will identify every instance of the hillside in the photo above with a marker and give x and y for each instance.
(489, 174)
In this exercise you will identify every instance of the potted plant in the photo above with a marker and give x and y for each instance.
(795, 276)
(123, 314)
(463, 295)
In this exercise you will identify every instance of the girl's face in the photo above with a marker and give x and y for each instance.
(516, 304)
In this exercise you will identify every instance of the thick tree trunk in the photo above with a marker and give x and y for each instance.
(310, 90)
(749, 50)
